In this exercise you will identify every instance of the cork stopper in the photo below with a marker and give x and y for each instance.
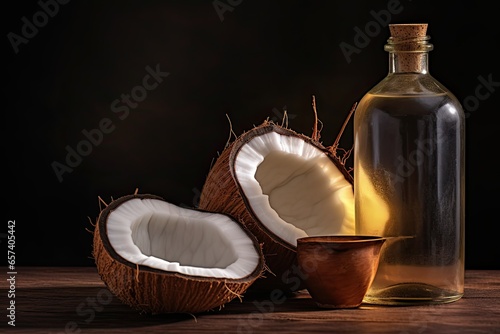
(409, 41)
(408, 31)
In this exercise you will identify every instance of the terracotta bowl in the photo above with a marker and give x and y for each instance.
(338, 270)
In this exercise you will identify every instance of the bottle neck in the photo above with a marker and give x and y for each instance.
(409, 62)
(409, 54)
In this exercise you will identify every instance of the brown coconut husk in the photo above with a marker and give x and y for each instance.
(222, 193)
(155, 291)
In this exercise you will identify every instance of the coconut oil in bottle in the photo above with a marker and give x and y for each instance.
(409, 177)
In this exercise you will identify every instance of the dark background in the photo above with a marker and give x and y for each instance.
(264, 57)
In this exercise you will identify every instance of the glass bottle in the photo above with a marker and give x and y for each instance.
(409, 176)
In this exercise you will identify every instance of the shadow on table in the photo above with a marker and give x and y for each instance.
(73, 309)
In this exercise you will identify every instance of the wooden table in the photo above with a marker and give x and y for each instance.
(74, 300)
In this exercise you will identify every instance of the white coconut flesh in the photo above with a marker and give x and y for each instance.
(163, 236)
(293, 188)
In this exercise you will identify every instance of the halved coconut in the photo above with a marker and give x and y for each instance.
(283, 186)
(161, 258)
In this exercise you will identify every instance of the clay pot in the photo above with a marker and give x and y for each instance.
(338, 270)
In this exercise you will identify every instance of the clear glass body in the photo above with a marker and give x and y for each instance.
(409, 183)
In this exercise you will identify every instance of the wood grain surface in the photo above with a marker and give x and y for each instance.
(75, 300)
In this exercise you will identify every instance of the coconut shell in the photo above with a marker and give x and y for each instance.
(155, 291)
(222, 193)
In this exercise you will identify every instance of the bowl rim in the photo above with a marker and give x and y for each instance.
(341, 238)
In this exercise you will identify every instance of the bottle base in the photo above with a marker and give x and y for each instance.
(411, 294)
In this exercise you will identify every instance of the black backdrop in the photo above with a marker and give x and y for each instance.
(69, 72)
